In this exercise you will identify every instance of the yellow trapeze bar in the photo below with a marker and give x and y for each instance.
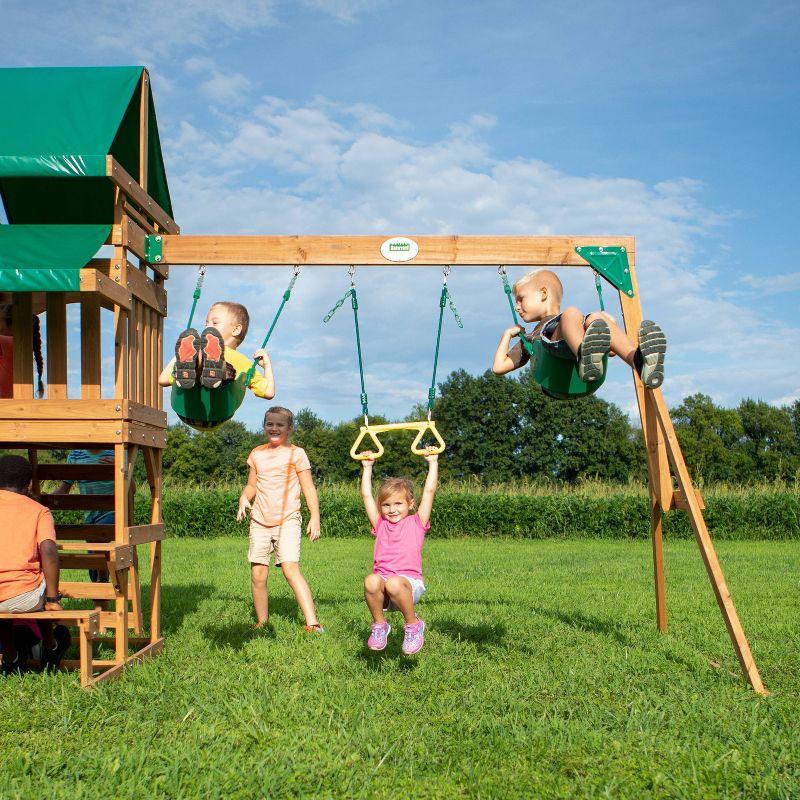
(420, 427)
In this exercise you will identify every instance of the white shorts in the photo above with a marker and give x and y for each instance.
(27, 601)
(417, 590)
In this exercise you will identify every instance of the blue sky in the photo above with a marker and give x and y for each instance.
(676, 123)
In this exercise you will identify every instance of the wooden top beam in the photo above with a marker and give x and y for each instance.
(544, 251)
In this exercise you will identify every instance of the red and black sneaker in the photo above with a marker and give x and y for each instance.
(213, 347)
(186, 349)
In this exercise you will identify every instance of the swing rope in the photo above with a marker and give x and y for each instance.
(507, 288)
(351, 293)
(443, 301)
(197, 291)
(286, 295)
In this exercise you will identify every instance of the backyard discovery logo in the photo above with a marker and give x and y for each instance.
(399, 248)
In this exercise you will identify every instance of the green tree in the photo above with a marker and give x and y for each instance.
(770, 441)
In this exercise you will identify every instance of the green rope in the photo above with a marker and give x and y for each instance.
(598, 284)
(196, 296)
(286, 295)
(443, 301)
(351, 293)
(507, 288)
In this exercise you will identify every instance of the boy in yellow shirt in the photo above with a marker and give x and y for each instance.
(212, 357)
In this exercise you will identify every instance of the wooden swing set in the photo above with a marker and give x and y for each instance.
(146, 244)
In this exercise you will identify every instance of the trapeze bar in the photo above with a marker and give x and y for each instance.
(398, 251)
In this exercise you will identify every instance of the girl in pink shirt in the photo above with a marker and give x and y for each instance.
(279, 472)
(396, 581)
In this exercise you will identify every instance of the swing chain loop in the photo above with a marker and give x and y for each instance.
(296, 270)
(351, 271)
(445, 273)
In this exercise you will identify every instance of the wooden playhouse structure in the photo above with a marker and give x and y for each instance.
(81, 166)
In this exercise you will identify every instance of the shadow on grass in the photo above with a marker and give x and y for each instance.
(236, 635)
(483, 636)
(178, 601)
(583, 622)
(390, 658)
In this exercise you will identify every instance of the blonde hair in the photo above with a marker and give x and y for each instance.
(396, 486)
(240, 317)
(544, 278)
(284, 412)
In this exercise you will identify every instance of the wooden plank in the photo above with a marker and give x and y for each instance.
(54, 433)
(135, 280)
(85, 590)
(22, 322)
(78, 502)
(140, 219)
(80, 534)
(552, 251)
(152, 649)
(657, 537)
(66, 616)
(71, 560)
(56, 318)
(131, 236)
(140, 341)
(85, 650)
(159, 404)
(713, 568)
(92, 280)
(74, 472)
(82, 410)
(87, 542)
(148, 376)
(679, 501)
(133, 353)
(142, 534)
(91, 354)
(145, 435)
(135, 192)
(120, 352)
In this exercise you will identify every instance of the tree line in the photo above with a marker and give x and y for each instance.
(501, 429)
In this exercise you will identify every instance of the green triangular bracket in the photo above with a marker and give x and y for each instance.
(611, 262)
(154, 248)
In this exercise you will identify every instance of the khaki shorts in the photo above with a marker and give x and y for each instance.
(27, 601)
(283, 540)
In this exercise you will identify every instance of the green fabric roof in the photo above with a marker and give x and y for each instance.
(56, 127)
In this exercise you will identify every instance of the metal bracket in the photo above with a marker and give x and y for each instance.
(154, 248)
(611, 262)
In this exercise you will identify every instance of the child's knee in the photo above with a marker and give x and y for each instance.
(258, 573)
(374, 583)
(395, 586)
(570, 313)
(595, 315)
(291, 570)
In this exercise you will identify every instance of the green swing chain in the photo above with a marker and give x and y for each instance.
(507, 288)
(443, 301)
(598, 284)
(197, 291)
(351, 293)
(286, 295)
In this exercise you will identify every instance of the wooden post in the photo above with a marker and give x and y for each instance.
(22, 322)
(724, 599)
(144, 117)
(56, 317)
(91, 358)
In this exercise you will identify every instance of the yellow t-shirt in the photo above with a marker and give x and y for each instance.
(241, 363)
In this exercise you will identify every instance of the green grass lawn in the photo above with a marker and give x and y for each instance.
(542, 675)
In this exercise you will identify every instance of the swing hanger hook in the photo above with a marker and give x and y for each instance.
(501, 270)
(351, 271)
(202, 270)
(445, 273)
(296, 270)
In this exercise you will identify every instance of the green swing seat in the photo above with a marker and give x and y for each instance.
(557, 373)
(206, 409)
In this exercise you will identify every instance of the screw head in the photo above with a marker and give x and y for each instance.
(622, 249)
(158, 258)
(158, 238)
(630, 292)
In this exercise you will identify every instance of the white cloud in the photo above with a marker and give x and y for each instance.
(346, 10)
(328, 168)
(227, 88)
(774, 284)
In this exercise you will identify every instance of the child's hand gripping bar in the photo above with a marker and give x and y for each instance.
(421, 427)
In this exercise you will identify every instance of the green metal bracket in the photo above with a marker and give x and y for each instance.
(611, 262)
(154, 248)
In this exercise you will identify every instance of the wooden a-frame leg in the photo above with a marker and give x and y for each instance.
(656, 531)
(724, 599)
(85, 646)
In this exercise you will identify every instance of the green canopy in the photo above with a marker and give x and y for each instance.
(58, 123)
(63, 248)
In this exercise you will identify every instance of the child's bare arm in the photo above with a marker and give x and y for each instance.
(502, 361)
(312, 501)
(370, 506)
(429, 490)
(261, 356)
(247, 496)
(48, 553)
(165, 378)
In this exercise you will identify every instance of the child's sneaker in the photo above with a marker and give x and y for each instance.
(186, 349)
(379, 635)
(594, 348)
(649, 358)
(213, 347)
(317, 628)
(414, 638)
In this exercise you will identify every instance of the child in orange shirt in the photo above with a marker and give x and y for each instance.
(278, 473)
(29, 567)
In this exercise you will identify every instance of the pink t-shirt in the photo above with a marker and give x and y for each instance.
(398, 546)
(277, 486)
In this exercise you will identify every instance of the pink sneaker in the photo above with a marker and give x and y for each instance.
(378, 635)
(414, 638)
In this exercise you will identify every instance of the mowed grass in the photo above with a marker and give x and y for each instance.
(542, 675)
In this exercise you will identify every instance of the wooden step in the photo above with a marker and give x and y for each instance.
(86, 533)
(89, 617)
(75, 472)
(78, 502)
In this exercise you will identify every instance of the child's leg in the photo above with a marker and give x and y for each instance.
(401, 594)
(375, 596)
(259, 573)
(295, 579)
(621, 344)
